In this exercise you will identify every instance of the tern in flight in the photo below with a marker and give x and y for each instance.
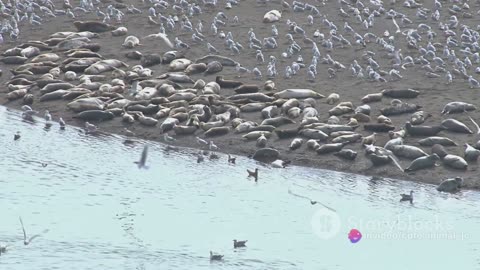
(143, 158)
(25, 240)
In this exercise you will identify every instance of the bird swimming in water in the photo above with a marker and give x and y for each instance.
(143, 158)
(231, 159)
(48, 116)
(200, 157)
(253, 174)
(29, 240)
(16, 136)
(237, 244)
(215, 257)
(407, 197)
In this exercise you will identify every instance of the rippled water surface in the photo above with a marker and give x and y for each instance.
(102, 212)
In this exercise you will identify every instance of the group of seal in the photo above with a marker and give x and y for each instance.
(192, 106)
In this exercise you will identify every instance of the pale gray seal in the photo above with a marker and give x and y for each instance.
(400, 93)
(329, 148)
(95, 115)
(195, 68)
(372, 98)
(120, 31)
(430, 141)
(217, 131)
(213, 67)
(455, 162)
(458, 107)
(400, 109)
(277, 121)
(423, 162)
(450, 185)
(408, 151)
(456, 126)
(247, 88)
(347, 154)
(471, 153)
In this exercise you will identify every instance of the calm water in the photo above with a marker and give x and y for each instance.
(104, 213)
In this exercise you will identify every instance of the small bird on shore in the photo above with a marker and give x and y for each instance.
(215, 257)
(62, 123)
(407, 197)
(143, 158)
(253, 174)
(48, 116)
(237, 244)
(200, 157)
(16, 136)
(201, 141)
(90, 128)
(231, 159)
(168, 139)
(25, 240)
(128, 132)
(212, 146)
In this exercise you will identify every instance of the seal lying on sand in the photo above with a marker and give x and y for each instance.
(227, 83)
(92, 26)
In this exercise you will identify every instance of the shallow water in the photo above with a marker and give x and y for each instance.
(103, 212)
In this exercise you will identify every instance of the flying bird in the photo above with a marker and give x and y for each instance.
(312, 201)
(29, 240)
(143, 158)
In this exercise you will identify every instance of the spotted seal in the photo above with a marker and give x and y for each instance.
(92, 26)
(95, 115)
(423, 163)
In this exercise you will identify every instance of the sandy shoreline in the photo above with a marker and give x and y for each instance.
(434, 93)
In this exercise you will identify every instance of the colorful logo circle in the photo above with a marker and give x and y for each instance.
(354, 235)
(325, 223)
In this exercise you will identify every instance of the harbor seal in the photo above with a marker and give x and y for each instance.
(266, 154)
(14, 60)
(217, 131)
(372, 98)
(430, 141)
(400, 109)
(450, 185)
(422, 130)
(247, 88)
(195, 68)
(227, 83)
(286, 133)
(400, 93)
(120, 31)
(298, 93)
(92, 26)
(455, 162)
(423, 163)
(179, 64)
(333, 98)
(329, 148)
(151, 59)
(225, 61)
(471, 154)
(458, 107)
(135, 55)
(95, 115)
(213, 67)
(408, 151)
(439, 150)
(131, 42)
(277, 121)
(272, 16)
(419, 117)
(347, 154)
(455, 126)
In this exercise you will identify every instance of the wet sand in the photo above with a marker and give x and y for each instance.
(434, 93)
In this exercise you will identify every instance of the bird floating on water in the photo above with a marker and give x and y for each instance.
(215, 257)
(231, 159)
(16, 136)
(407, 197)
(237, 244)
